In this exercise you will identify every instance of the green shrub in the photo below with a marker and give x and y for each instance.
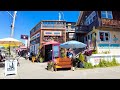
(108, 63)
(96, 65)
(81, 57)
(63, 54)
(50, 65)
(94, 52)
(87, 65)
(104, 63)
(114, 62)
(41, 60)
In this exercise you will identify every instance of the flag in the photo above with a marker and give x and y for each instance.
(24, 36)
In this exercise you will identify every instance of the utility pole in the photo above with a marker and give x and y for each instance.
(13, 23)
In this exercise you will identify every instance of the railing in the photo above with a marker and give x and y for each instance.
(53, 24)
(82, 29)
(47, 26)
(70, 30)
(110, 23)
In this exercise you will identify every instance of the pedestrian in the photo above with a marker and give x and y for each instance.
(73, 59)
(71, 53)
(1, 57)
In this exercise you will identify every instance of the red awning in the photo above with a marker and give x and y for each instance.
(23, 47)
(51, 42)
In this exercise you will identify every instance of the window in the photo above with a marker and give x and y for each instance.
(90, 18)
(104, 36)
(72, 27)
(106, 14)
(91, 36)
(86, 38)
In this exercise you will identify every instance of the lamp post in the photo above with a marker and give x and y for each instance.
(13, 22)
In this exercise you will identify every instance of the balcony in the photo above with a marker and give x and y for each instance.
(108, 23)
(70, 30)
(53, 25)
(82, 29)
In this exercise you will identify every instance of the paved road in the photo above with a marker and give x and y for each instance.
(29, 70)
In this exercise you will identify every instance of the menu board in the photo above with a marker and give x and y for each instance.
(55, 51)
(10, 67)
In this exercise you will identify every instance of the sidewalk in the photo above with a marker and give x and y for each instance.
(29, 70)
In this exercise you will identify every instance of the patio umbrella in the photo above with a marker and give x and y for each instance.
(73, 44)
(10, 42)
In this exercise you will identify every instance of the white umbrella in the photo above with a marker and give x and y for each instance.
(73, 44)
(10, 42)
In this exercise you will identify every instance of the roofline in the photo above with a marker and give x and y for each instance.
(46, 20)
(70, 22)
(52, 20)
(35, 25)
(79, 17)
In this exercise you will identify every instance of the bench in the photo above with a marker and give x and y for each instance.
(62, 63)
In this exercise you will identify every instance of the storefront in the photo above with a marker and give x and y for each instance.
(104, 40)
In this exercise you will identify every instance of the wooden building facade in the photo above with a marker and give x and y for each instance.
(100, 28)
(46, 31)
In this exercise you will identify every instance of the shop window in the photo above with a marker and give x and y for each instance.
(86, 38)
(104, 36)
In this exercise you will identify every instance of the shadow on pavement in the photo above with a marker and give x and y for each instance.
(2, 64)
(61, 69)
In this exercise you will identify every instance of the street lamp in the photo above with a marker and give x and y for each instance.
(13, 23)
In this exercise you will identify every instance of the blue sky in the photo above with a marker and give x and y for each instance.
(26, 20)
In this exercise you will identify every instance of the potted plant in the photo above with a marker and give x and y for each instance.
(41, 59)
(50, 65)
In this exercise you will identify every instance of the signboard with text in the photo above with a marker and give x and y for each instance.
(10, 67)
(113, 23)
(52, 33)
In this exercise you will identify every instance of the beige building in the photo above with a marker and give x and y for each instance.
(101, 30)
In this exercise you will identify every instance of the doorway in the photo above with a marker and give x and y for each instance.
(48, 52)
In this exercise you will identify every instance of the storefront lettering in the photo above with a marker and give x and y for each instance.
(97, 60)
(114, 23)
(52, 33)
